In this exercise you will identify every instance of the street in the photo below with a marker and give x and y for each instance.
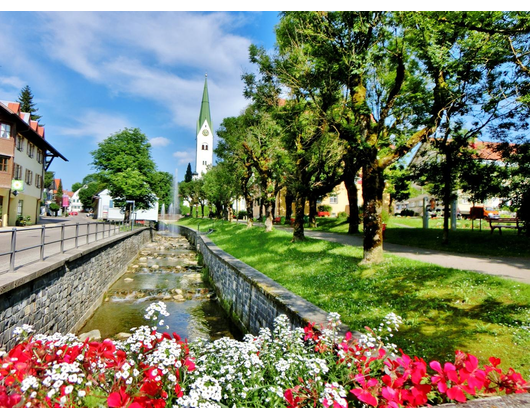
(55, 228)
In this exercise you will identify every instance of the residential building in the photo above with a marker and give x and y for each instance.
(75, 202)
(484, 151)
(25, 155)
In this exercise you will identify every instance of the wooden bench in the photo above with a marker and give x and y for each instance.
(506, 223)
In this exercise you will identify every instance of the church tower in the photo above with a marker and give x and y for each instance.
(204, 134)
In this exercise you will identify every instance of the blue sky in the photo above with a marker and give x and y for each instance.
(94, 73)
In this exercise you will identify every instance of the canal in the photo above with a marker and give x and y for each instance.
(165, 270)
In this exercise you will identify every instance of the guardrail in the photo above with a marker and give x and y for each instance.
(52, 240)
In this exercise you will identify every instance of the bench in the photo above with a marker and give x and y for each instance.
(506, 223)
(277, 220)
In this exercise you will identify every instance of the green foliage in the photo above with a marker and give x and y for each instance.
(49, 176)
(76, 186)
(188, 176)
(126, 168)
(86, 195)
(163, 187)
(325, 207)
(25, 99)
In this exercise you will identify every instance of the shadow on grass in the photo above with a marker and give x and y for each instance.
(475, 242)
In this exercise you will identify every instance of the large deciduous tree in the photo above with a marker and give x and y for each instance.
(126, 168)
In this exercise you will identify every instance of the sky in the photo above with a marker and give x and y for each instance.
(94, 73)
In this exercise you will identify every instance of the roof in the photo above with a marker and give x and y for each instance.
(485, 150)
(204, 115)
(31, 130)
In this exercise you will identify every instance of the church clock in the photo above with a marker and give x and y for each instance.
(205, 132)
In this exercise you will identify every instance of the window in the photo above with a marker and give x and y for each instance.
(20, 207)
(204, 163)
(333, 200)
(18, 172)
(31, 149)
(38, 181)
(20, 143)
(40, 156)
(205, 146)
(4, 163)
(5, 131)
(29, 177)
(111, 204)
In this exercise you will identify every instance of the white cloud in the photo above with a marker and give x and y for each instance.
(159, 141)
(160, 57)
(96, 125)
(183, 158)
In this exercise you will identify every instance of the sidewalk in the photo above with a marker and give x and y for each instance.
(507, 267)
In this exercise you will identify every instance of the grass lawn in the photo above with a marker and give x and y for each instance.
(443, 309)
(464, 240)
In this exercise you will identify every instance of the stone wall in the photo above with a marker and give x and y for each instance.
(62, 292)
(251, 299)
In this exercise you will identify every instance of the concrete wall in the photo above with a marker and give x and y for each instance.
(62, 292)
(251, 299)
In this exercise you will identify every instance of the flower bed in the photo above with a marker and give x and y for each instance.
(281, 368)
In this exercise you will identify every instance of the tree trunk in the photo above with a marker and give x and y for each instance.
(353, 220)
(288, 207)
(313, 212)
(250, 218)
(351, 169)
(298, 227)
(268, 217)
(448, 188)
(373, 186)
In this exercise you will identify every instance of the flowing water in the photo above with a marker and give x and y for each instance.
(165, 270)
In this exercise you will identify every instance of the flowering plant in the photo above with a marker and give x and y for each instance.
(286, 367)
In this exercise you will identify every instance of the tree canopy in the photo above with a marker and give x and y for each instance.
(126, 168)
(25, 99)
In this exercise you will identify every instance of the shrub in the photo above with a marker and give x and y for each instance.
(407, 212)
(325, 207)
(241, 214)
(342, 215)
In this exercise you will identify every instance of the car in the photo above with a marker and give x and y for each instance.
(323, 214)
(73, 213)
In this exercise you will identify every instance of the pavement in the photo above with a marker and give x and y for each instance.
(506, 267)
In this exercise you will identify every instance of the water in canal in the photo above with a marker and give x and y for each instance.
(165, 270)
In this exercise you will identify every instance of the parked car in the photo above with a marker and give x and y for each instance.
(323, 214)
(484, 213)
(73, 213)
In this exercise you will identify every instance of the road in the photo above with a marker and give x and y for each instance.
(54, 229)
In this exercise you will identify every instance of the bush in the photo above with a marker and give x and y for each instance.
(342, 215)
(325, 207)
(407, 212)
(241, 214)
(282, 220)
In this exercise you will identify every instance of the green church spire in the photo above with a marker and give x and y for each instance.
(205, 107)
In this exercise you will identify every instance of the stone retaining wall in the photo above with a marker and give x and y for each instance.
(251, 299)
(62, 292)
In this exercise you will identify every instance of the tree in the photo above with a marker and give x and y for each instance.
(49, 176)
(402, 78)
(221, 188)
(25, 99)
(76, 186)
(230, 149)
(126, 168)
(163, 188)
(188, 176)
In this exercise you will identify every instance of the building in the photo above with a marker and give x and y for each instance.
(204, 135)
(104, 209)
(75, 202)
(24, 158)
(484, 151)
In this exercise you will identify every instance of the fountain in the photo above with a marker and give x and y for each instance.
(167, 224)
(165, 270)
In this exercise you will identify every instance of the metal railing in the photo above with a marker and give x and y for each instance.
(51, 240)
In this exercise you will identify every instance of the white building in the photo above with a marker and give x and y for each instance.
(204, 135)
(75, 202)
(106, 210)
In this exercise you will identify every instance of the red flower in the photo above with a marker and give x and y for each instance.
(121, 399)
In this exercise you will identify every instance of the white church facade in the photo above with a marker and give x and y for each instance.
(204, 135)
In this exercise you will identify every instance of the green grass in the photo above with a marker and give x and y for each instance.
(464, 240)
(443, 309)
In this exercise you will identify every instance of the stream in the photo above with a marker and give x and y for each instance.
(165, 270)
